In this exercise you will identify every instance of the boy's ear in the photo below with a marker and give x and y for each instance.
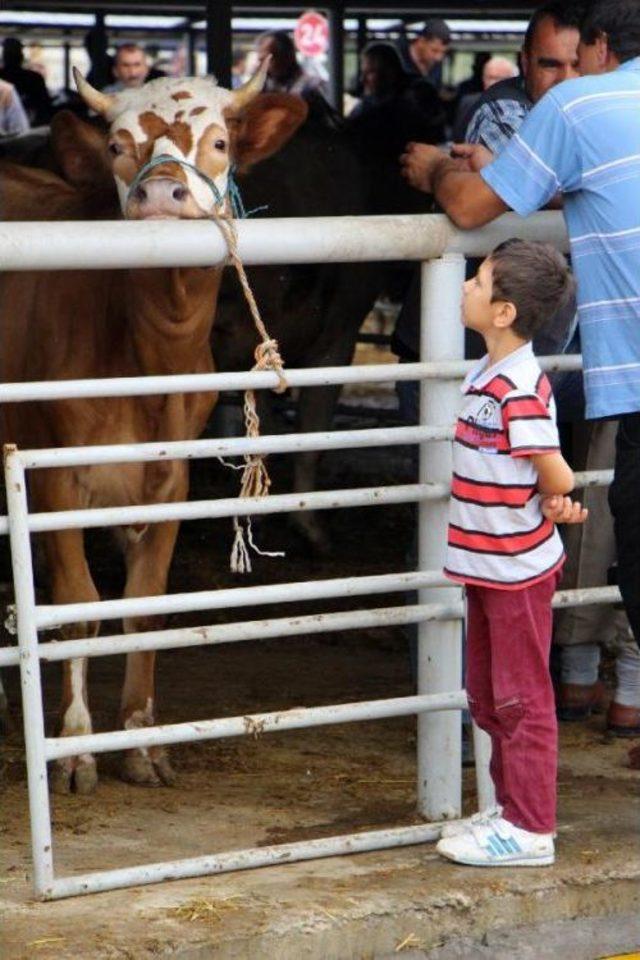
(504, 313)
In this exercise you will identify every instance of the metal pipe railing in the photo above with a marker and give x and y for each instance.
(131, 245)
(114, 244)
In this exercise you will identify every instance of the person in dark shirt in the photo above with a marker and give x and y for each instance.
(284, 74)
(395, 107)
(423, 56)
(30, 85)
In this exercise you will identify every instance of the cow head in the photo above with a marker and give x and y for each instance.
(172, 142)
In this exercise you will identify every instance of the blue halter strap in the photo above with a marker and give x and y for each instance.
(232, 190)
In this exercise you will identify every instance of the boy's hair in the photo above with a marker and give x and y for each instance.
(535, 278)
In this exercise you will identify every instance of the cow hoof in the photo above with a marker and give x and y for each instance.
(138, 768)
(85, 777)
(148, 769)
(163, 768)
(73, 775)
(60, 778)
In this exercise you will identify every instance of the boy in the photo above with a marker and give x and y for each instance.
(508, 492)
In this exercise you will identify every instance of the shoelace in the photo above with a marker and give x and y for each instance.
(484, 817)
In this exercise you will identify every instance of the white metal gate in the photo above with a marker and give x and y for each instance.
(439, 609)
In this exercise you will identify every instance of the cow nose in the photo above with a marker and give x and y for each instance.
(160, 196)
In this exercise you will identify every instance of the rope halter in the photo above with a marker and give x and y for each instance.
(231, 189)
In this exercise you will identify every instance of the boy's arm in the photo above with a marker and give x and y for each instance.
(555, 480)
(555, 476)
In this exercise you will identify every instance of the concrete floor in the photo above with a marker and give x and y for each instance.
(405, 902)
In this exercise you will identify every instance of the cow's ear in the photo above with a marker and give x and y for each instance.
(79, 149)
(264, 126)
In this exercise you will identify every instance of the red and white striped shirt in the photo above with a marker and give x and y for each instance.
(498, 536)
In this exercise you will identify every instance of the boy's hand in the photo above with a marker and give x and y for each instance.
(563, 510)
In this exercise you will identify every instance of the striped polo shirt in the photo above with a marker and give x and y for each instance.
(583, 139)
(498, 536)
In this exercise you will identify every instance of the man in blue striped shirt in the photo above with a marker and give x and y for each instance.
(581, 140)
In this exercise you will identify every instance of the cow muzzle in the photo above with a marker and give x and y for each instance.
(164, 196)
(161, 197)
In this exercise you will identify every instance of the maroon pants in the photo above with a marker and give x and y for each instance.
(511, 697)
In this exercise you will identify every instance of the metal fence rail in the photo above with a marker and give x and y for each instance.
(439, 608)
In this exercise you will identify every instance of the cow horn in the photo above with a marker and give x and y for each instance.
(249, 90)
(100, 102)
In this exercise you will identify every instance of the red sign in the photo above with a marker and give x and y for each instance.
(311, 35)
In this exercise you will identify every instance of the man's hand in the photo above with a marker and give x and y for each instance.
(6, 94)
(563, 510)
(418, 163)
(476, 155)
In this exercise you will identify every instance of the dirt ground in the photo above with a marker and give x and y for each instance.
(238, 793)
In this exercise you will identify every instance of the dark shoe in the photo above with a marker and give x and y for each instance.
(577, 701)
(634, 758)
(623, 721)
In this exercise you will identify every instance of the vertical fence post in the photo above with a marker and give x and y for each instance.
(32, 707)
(439, 647)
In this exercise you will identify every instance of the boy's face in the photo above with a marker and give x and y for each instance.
(478, 312)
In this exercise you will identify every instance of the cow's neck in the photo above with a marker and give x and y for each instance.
(171, 315)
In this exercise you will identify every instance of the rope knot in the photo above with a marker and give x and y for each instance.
(267, 357)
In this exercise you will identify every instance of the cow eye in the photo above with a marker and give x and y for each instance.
(115, 149)
(220, 145)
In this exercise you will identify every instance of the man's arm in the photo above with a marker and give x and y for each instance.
(544, 158)
(463, 195)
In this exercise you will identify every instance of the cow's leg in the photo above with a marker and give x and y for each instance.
(4, 710)
(315, 413)
(148, 563)
(352, 293)
(71, 582)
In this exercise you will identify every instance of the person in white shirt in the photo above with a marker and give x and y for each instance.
(13, 119)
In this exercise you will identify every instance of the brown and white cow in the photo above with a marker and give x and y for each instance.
(170, 148)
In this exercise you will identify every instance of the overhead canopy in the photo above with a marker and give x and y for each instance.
(416, 9)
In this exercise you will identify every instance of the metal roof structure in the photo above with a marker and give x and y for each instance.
(217, 16)
(414, 9)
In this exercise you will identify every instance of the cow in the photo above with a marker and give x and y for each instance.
(169, 151)
(315, 310)
(328, 168)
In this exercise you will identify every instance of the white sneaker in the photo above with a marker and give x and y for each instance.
(461, 826)
(498, 843)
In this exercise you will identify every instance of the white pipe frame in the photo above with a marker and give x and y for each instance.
(439, 610)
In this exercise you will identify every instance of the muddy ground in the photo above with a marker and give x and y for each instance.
(241, 792)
